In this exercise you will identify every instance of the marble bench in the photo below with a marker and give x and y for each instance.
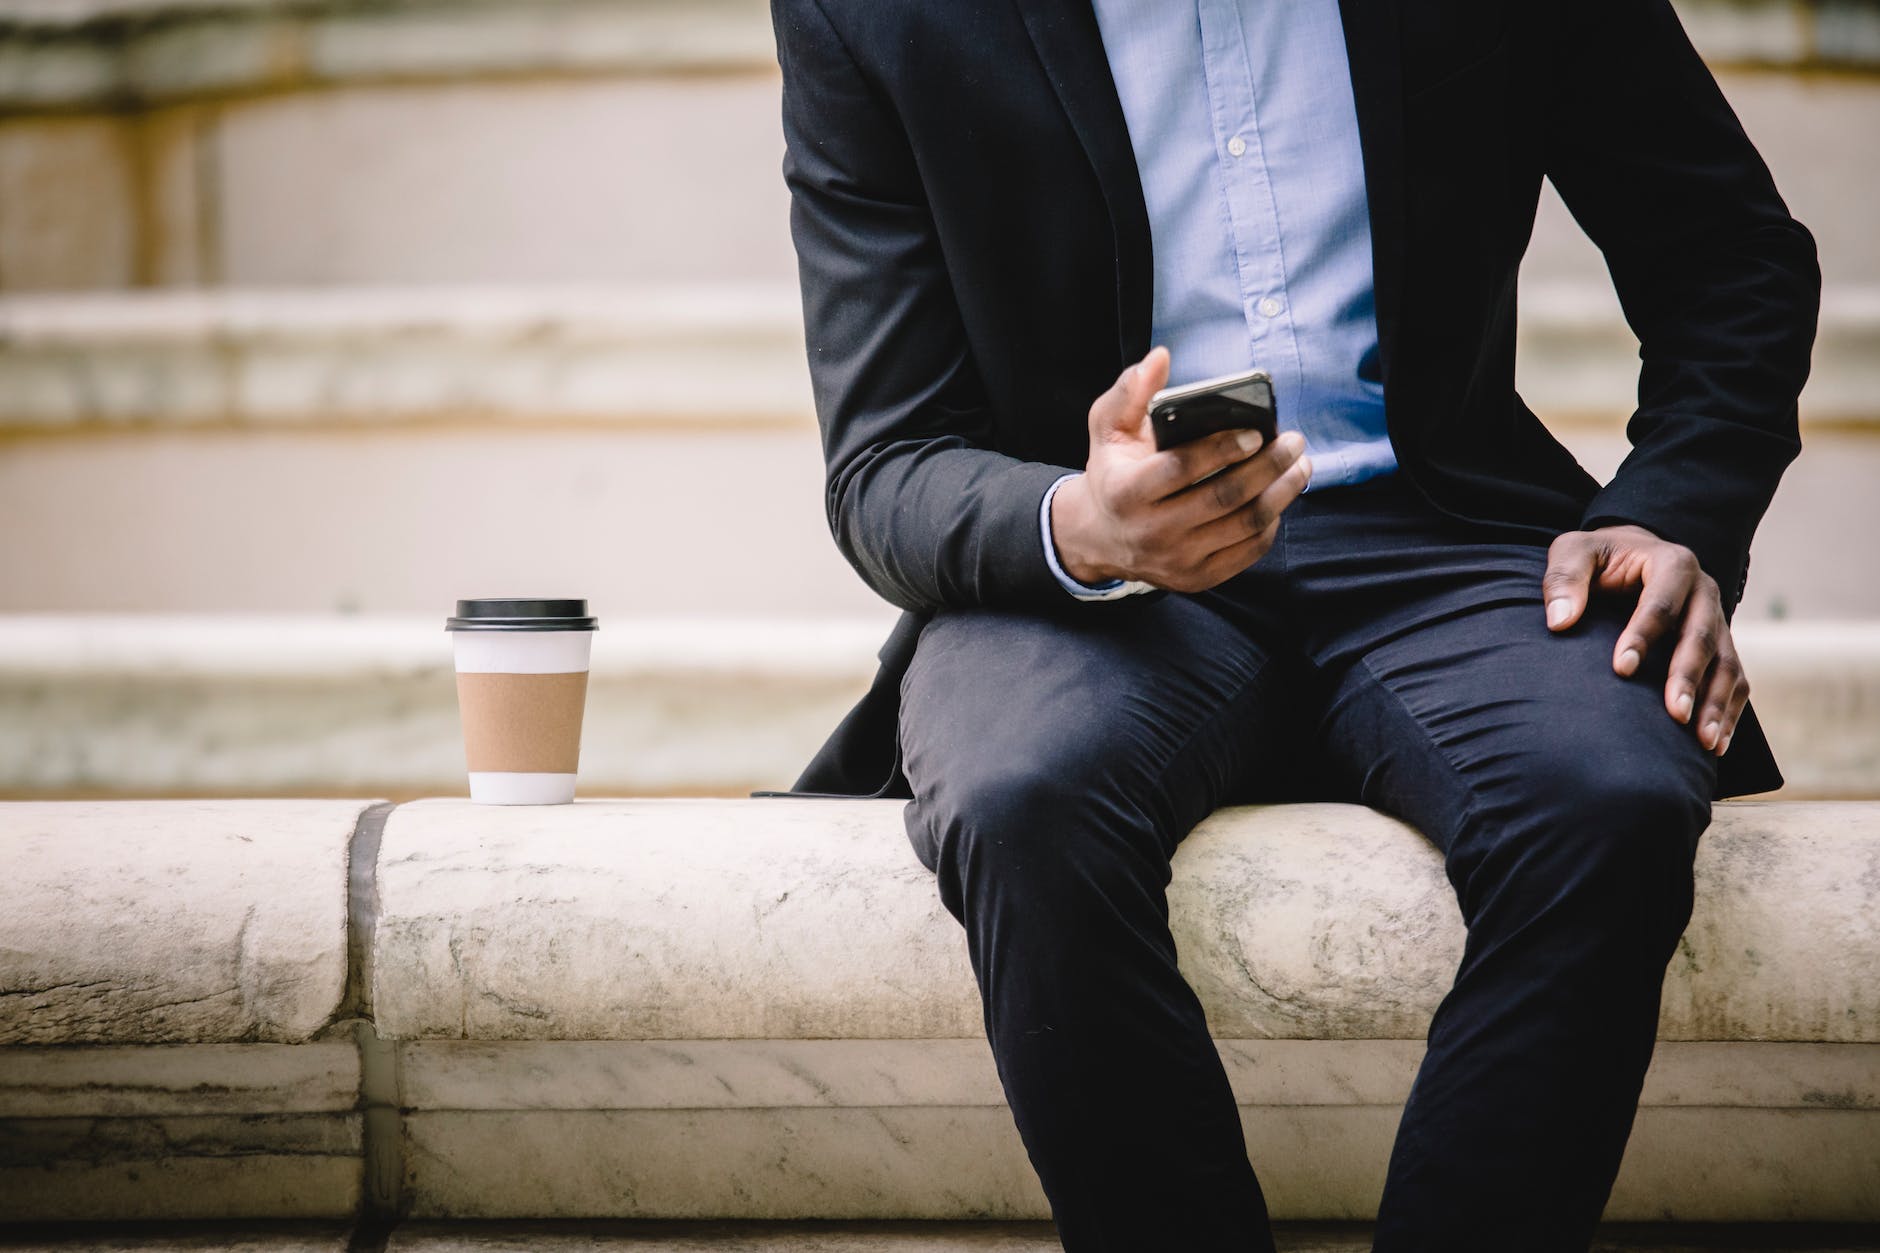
(759, 1009)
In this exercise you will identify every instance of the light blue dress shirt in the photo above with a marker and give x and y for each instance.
(1246, 139)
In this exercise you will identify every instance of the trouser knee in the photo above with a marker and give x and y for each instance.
(1614, 852)
(1029, 854)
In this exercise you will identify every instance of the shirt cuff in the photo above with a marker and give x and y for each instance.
(1113, 589)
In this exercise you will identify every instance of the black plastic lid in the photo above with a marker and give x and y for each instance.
(512, 614)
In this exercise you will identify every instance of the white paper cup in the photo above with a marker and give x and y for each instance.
(522, 668)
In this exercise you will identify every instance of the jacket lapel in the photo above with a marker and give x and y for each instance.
(1070, 45)
(1374, 47)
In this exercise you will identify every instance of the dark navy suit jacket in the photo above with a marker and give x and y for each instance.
(974, 253)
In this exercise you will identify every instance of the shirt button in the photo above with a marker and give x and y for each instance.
(1237, 146)
(1270, 307)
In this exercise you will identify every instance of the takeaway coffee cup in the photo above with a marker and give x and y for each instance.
(522, 668)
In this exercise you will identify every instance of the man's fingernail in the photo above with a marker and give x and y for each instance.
(1557, 611)
(1628, 660)
(1683, 705)
(1710, 732)
(1725, 746)
(1248, 440)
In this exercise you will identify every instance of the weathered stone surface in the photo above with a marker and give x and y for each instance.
(161, 921)
(270, 1237)
(1001, 1237)
(684, 919)
(698, 351)
(809, 1035)
(744, 1237)
(263, 705)
(1250, 908)
(663, 919)
(1742, 1165)
(430, 186)
(254, 404)
(694, 346)
(1322, 1162)
(538, 1075)
(286, 705)
(250, 1166)
(71, 212)
(1784, 943)
(626, 1127)
(178, 1079)
(707, 1236)
(180, 1131)
(1015, 1237)
(605, 508)
(1822, 716)
(907, 1162)
(109, 50)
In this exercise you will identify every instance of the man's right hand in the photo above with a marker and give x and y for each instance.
(1139, 513)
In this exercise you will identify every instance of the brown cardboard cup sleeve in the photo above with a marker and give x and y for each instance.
(522, 722)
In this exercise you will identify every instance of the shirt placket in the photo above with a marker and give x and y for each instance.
(1252, 211)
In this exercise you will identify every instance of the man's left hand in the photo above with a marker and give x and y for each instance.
(1674, 592)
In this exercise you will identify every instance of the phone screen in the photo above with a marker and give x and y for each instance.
(1178, 415)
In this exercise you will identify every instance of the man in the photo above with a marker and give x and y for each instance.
(1015, 220)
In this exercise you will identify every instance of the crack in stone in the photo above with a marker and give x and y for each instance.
(50, 988)
(243, 983)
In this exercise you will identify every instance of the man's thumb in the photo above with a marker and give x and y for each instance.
(1121, 412)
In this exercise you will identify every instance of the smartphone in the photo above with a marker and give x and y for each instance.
(1230, 402)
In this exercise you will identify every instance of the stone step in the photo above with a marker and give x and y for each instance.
(828, 1237)
(416, 144)
(692, 355)
(88, 53)
(165, 449)
(760, 1010)
(256, 705)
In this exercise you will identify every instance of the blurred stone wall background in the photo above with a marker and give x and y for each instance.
(315, 316)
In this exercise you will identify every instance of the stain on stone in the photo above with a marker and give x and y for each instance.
(1830, 1100)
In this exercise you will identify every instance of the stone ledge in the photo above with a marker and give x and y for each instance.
(806, 919)
(642, 1009)
(82, 53)
(871, 1129)
(156, 922)
(180, 1131)
(700, 355)
(258, 705)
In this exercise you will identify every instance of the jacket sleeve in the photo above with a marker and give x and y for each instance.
(919, 502)
(1720, 284)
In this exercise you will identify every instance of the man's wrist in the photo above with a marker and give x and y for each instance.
(1108, 589)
